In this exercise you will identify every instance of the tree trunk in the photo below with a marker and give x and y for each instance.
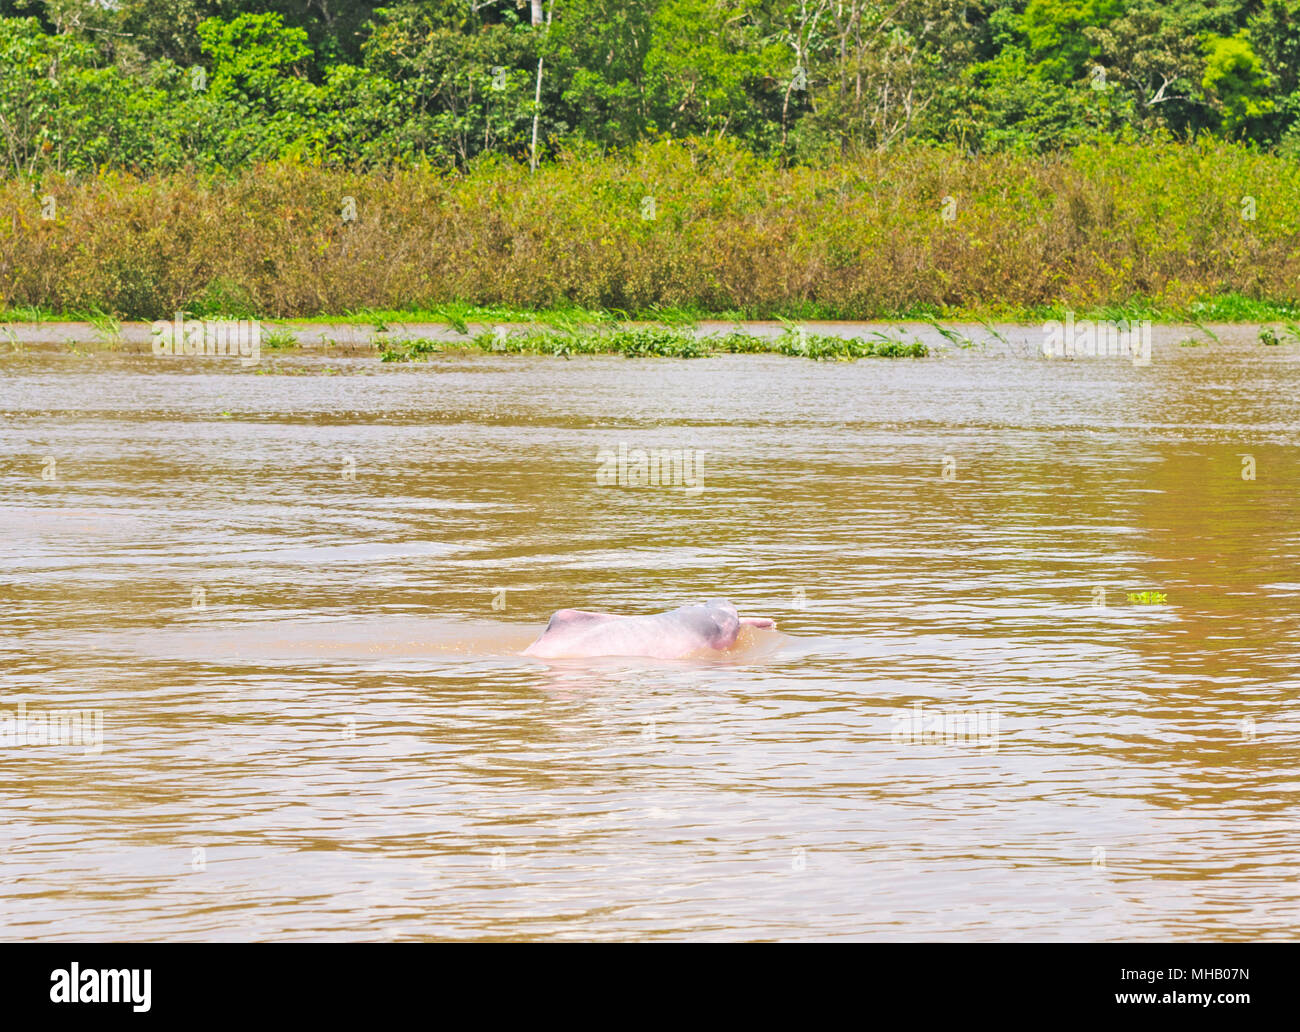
(537, 113)
(537, 96)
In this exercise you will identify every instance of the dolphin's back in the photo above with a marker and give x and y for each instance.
(676, 633)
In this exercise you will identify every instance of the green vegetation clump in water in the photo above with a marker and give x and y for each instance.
(662, 342)
(878, 345)
(278, 339)
(1288, 334)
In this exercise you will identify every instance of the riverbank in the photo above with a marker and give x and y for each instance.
(674, 231)
(466, 318)
(828, 340)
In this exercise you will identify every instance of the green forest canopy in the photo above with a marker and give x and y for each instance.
(157, 85)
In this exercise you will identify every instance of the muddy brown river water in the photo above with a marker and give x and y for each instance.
(1036, 675)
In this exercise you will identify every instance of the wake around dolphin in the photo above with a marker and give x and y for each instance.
(685, 632)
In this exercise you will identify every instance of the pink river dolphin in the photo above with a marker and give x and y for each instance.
(685, 632)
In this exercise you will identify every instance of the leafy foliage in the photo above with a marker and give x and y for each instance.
(155, 85)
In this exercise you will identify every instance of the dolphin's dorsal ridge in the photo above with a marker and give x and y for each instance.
(575, 617)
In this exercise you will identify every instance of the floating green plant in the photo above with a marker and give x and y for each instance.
(661, 342)
(278, 339)
(1290, 334)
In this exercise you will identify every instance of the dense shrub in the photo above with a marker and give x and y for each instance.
(687, 224)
